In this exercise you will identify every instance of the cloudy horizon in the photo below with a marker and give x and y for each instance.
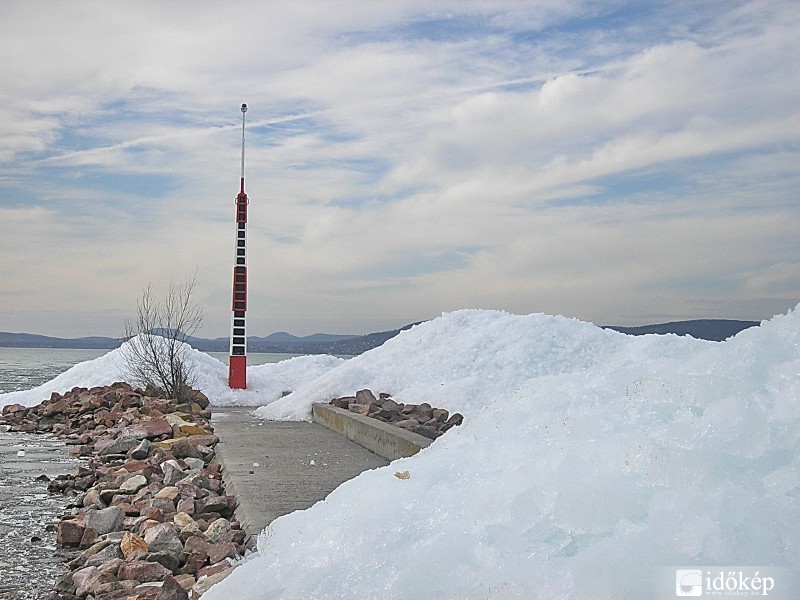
(619, 162)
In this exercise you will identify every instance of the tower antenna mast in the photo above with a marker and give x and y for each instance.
(244, 112)
(237, 363)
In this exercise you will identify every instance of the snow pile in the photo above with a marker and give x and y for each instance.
(266, 383)
(588, 461)
(461, 361)
(103, 370)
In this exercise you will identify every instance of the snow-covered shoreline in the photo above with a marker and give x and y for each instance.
(588, 461)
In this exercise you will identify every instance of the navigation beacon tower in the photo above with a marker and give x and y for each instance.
(237, 364)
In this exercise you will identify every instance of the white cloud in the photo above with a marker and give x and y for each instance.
(404, 159)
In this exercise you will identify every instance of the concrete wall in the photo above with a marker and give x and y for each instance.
(383, 439)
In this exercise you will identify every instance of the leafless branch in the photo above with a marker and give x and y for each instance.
(156, 352)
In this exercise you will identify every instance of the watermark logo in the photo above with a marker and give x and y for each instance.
(716, 582)
(688, 582)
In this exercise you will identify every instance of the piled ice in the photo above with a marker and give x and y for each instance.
(588, 461)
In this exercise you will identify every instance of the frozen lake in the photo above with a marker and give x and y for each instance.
(28, 557)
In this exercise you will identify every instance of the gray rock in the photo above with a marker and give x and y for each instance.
(184, 448)
(389, 404)
(441, 414)
(193, 477)
(120, 445)
(111, 566)
(105, 520)
(211, 503)
(163, 538)
(133, 484)
(107, 495)
(172, 472)
(172, 590)
(216, 529)
(100, 558)
(83, 579)
(169, 560)
(424, 414)
(80, 561)
(389, 409)
(141, 451)
(168, 492)
(142, 570)
(425, 431)
(455, 419)
(92, 499)
(194, 463)
(366, 397)
(407, 423)
(185, 505)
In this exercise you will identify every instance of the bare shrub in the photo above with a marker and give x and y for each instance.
(156, 353)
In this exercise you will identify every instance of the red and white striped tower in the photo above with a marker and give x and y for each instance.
(237, 364)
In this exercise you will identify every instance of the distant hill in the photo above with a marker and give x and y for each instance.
(715, 330)
(280, 342)
(360, 344)
(326, 343)
(29, 340)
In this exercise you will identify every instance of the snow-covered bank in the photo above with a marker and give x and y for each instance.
(463, 361)
(266, 383)
(588, 461)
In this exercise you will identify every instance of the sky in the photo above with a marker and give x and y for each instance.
(618, 162)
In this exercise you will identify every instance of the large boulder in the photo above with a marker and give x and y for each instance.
(119, 445)
(149, 429)
(70, 532)
(105, 520)
(142, 571)
(164, 538)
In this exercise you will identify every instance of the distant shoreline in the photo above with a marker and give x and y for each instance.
(276, 343)
(283, 343)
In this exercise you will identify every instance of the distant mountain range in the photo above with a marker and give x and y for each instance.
(715, 330)
(31, 340)
(280, 342)
(325, 343)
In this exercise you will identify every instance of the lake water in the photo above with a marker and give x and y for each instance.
(25, 368)
(29, 560)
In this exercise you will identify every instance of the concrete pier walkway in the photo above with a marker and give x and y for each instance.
(276, 467)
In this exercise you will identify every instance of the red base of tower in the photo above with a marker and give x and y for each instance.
(237, 372)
